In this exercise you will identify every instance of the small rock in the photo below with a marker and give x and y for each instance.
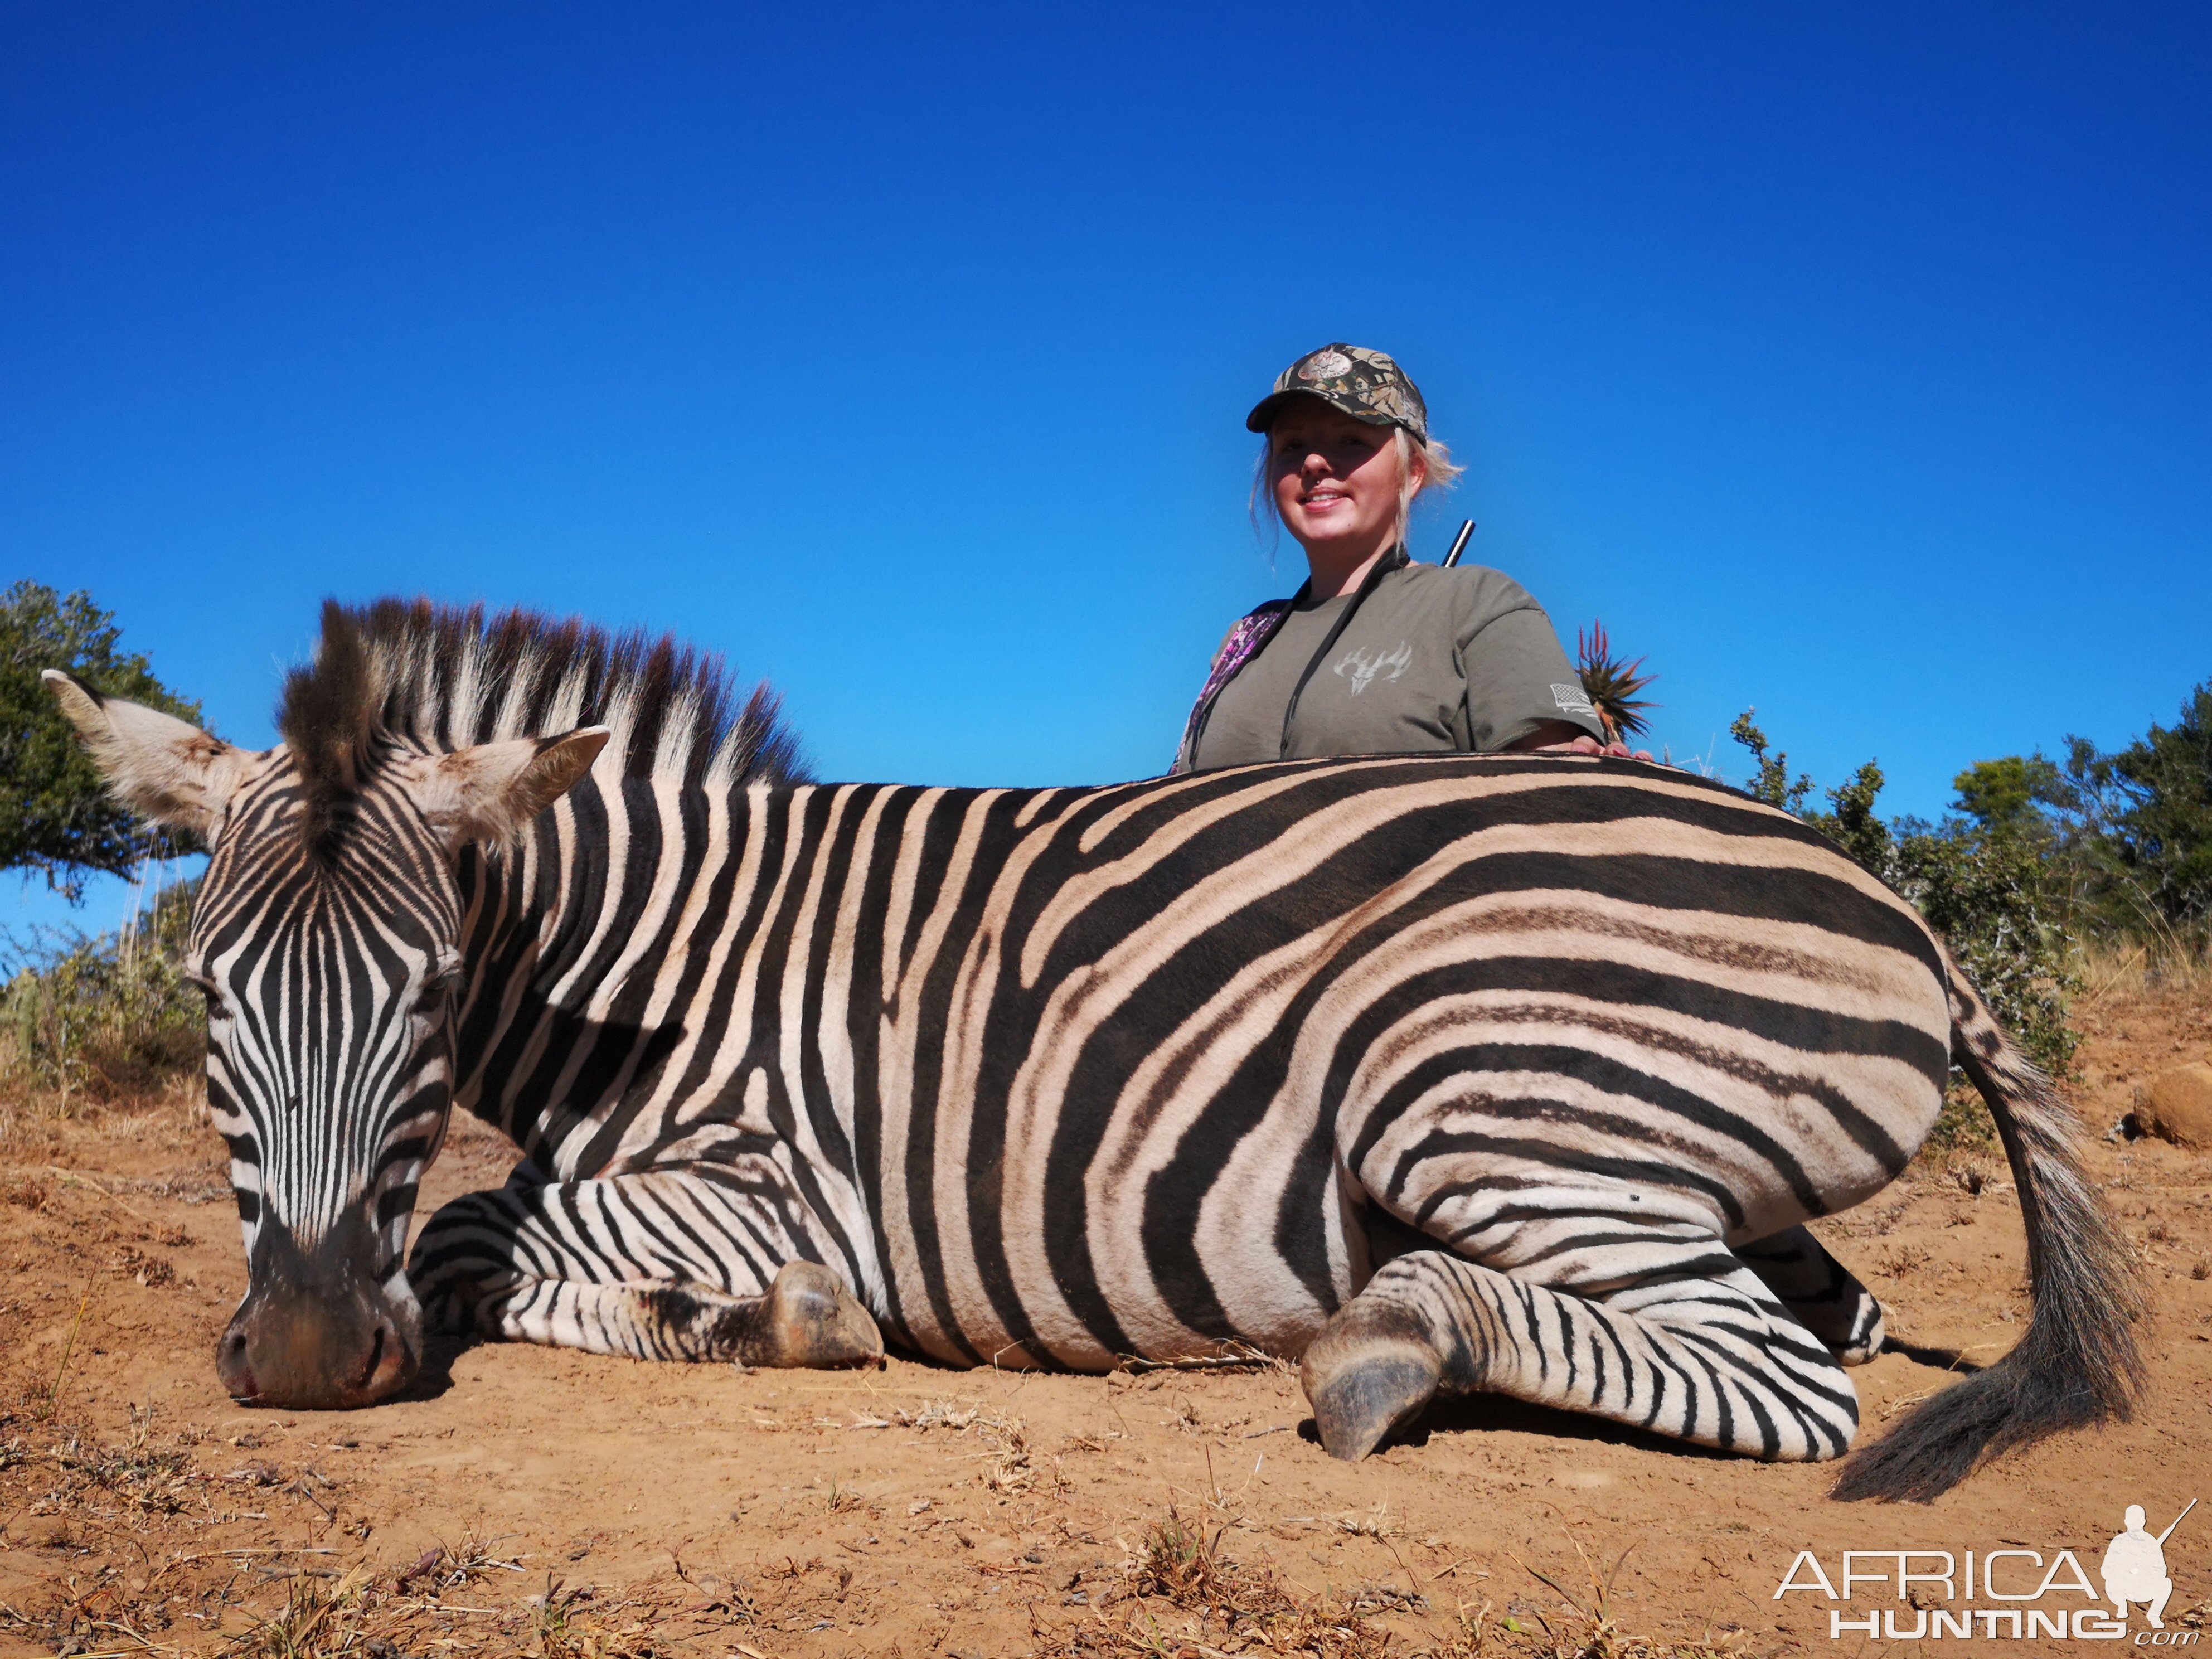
(258, 1474)
(2177, 1105)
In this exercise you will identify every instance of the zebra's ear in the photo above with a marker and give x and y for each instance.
(489, 792)
(160, 767)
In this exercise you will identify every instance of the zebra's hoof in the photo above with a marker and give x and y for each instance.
(1864, 1342)
(809, 1319)
(1363, 1387)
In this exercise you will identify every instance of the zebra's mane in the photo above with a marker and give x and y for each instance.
(452, 677)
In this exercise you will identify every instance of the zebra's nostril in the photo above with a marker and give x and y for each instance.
(231, 1366)
(375, 1358)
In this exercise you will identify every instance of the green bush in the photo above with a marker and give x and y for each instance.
(107, 1016)
(2136, 828)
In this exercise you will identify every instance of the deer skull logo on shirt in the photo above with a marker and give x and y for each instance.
(1362, 669)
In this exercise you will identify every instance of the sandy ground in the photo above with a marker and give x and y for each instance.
(552, 1503)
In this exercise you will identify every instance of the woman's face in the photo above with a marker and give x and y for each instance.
(1336, 479)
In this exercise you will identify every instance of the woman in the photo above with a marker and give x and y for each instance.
(1376, 655)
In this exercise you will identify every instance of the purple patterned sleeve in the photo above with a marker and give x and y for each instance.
(1251, 632)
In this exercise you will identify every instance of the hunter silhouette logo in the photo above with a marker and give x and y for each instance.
(2135, 1566)
(2014, 1594)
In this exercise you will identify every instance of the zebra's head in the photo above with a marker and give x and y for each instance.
(326, 936)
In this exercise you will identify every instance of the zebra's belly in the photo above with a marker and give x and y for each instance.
(1284, 1329)
(1162, 1172)
(1161, 1251)
(1495, 1165)
(1178, 1305)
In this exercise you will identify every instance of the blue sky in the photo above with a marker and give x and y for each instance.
(1852, 362)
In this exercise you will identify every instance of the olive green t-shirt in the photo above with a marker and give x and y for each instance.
(1460, 660)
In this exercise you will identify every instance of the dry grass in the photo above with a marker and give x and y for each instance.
(89, 1503)
(2170, 965)
(123, 1528)
(1900, 1260)
(1180, 1596)
(370, 1615)
(1178, 1593)
(314, 1620)
(1011, 1465)
(1230, 1357)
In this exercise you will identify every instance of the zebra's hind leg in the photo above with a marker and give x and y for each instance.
(1691, 1344)
(696, 1264)
(1820, 1291)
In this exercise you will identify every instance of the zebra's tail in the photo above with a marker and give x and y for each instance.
(2079, 1363)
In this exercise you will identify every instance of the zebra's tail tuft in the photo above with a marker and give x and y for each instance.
(2079, 1363)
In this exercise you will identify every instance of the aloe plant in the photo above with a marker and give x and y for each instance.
(1611, 684)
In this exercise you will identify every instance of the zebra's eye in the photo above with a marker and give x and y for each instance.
(206, 986)
(436, 988)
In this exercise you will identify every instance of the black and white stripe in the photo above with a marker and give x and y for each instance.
(1055, 1077)
(332, 1092)
(1535, 1065)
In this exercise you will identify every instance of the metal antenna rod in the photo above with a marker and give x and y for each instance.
(1459, 544)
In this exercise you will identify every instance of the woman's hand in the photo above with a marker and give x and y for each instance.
(1558, 737)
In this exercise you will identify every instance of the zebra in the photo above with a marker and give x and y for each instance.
(1442, 1075)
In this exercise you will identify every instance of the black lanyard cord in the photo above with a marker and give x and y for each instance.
(1395, 559)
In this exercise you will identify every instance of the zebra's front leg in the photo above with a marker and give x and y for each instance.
(712, 1263)
(1690, 1343)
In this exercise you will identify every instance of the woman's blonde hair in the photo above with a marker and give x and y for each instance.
(1437, 471)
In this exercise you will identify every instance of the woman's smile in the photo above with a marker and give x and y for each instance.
(1336, 482)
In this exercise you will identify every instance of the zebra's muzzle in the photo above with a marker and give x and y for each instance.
(317, 1332)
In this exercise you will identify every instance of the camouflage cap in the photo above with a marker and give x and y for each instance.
(1368, 386)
